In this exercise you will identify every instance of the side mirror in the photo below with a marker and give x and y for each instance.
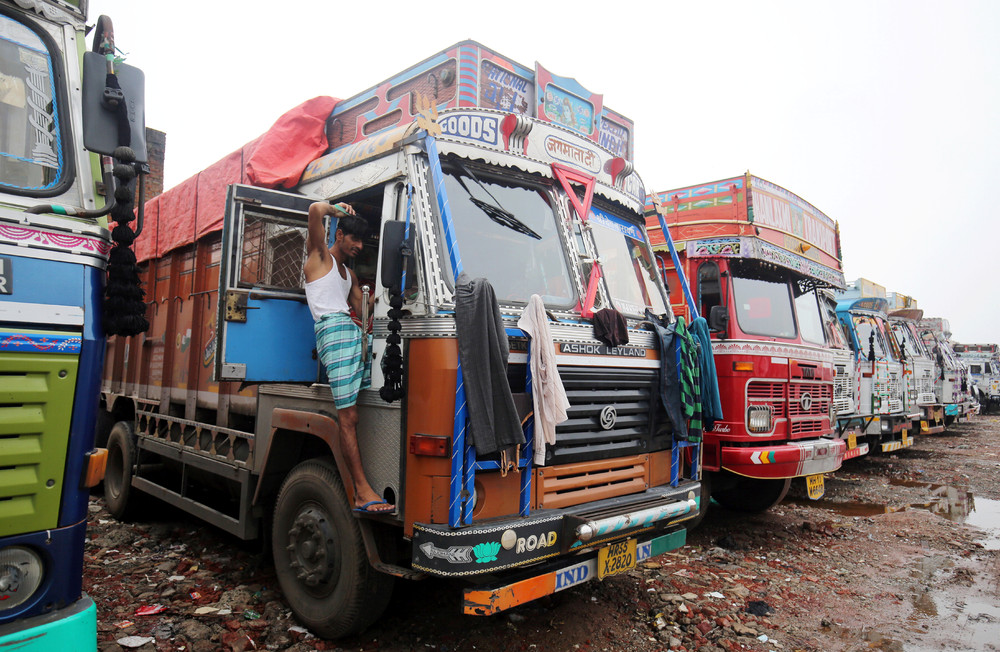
(100, 106)
(397, 256)
(718, 319)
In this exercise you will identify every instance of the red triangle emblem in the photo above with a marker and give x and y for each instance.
(567, 176)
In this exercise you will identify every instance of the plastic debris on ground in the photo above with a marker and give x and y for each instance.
(135, 641)
(149, 610)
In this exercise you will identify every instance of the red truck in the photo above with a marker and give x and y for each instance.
(756, 254)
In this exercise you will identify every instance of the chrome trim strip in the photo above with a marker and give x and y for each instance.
(40, 313)
(641, 518)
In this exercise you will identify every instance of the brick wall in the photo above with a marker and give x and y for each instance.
(156, 144)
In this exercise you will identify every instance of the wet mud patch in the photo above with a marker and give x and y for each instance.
(881, 571)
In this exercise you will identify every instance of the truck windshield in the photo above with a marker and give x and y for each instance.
(31, 157)
(763, 307)
(810, 320)
(627, 264)
(516, 264)
(865, 327)
(906, 340)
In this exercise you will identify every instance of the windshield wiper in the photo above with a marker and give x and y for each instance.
(494, 211)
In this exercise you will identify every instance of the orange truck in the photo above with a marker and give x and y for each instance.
(756, 255)
(465, 162)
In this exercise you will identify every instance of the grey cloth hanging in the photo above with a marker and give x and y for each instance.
(483, 351)
(670, 387)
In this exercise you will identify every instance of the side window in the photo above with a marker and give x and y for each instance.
(709, 288)
(32, 157)
(273, 248)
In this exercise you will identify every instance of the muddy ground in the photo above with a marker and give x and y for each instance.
(902, 553)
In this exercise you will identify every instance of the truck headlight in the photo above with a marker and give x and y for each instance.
(759, 418)
(20, 575)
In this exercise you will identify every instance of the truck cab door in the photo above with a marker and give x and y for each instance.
(264, 329)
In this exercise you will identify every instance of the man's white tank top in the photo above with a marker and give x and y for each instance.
(329, 293)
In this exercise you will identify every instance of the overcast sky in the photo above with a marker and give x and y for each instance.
(882, 114)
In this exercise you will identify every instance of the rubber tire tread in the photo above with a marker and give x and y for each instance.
(102, 428)
(362, 593)
(118, 495)
(753, 495)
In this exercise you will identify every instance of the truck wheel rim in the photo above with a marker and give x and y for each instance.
(312, 548)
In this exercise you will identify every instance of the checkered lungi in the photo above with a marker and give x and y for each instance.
(338, 342)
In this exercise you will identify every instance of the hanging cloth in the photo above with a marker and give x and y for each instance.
(711, 403)
(610, 327)
(547, 391)
(670, 387)
(690, 379)
(483, 351)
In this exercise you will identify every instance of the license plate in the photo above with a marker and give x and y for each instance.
(924, 425)
(6, 277)
(814, 486)
(852, 441)
(616, 558)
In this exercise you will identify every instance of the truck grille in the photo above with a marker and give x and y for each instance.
(843, 393)
(925, 389)
(895, 389)
(575, 484)
(634, 395)
(36, 404)
(817, 403)
(806, 415)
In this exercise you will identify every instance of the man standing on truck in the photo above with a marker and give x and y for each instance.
(332, 290)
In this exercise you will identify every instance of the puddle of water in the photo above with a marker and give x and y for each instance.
(978, 622)
(953, 503)
(925, 604)
(847, 509)
(985, 515)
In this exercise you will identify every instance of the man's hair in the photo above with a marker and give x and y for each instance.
(353, 225)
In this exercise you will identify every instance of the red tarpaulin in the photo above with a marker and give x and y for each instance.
(294, 141)
(145, 244)
(197, 205)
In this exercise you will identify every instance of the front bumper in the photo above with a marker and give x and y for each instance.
(71, 628)
(560, 575)
(890, 424)
(785, 460)
(932, 420)
(508, 543)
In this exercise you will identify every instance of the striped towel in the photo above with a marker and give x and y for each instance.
(338, 341)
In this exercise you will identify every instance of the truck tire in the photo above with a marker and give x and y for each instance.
(319, 556)
(753, 494)
(102, 429)
(118, 495)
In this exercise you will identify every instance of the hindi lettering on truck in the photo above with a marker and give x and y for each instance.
(466, 166)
